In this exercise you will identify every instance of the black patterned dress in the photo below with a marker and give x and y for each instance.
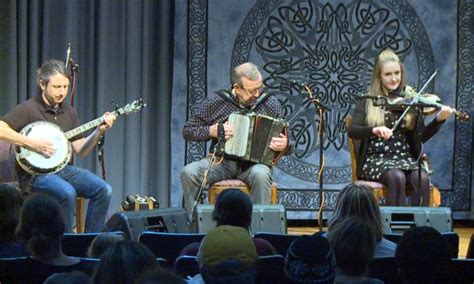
(394, 153)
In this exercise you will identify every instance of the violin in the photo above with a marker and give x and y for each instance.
(430, 103)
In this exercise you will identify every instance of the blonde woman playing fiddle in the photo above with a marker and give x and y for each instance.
(390, 156)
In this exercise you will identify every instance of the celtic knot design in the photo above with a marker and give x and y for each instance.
(197, 87)
(331, 48)
(459, 198)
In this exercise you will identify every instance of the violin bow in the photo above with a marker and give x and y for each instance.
(414, 100)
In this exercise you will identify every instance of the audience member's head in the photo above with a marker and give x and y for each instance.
(102, 242)
(41, 226)
(424, 256)
(10, 206)
(124, 262)
(233, 207)
(160, 275)
(353, 242)
(73, 277)
(228, 255)
(357, 201)
(310, 259)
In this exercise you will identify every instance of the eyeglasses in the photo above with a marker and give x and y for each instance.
(252, 92)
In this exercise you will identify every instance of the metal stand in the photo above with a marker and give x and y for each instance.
(101, 155)
(418, 186)
(200, 193)
(320, 108)
(217, 154)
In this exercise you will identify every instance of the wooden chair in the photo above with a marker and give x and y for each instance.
(8, 175)
(379, 189)
(216, 188)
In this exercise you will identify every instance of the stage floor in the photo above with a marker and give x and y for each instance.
(464, 230)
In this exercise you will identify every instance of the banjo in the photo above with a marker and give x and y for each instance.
(37, 164)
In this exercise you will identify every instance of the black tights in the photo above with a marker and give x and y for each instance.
(397, 181)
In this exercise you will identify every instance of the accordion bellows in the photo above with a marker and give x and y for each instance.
(252, 136)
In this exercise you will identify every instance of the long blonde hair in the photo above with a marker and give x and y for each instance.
(375, 115)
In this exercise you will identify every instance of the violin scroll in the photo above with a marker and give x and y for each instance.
(461, 115)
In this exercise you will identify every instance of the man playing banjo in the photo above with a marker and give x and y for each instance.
(70, 181)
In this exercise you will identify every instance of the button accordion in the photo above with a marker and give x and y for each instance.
(252, 136)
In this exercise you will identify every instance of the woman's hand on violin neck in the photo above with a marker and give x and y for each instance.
(383, 132)
(444, 113)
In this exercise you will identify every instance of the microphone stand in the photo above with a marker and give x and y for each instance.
(418, 189)
(216, 158)
(320, 109)
(101, 155)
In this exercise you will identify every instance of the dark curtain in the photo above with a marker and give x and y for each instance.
(124, 49)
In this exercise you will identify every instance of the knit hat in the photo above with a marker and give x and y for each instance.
(227, 242)
(310, 259)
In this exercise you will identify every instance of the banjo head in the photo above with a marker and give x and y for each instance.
(34, 163)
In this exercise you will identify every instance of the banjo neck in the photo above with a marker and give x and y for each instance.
(87, 126)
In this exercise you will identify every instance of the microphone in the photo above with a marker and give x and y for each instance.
(315, 101)
(320, 104)
(68, 55)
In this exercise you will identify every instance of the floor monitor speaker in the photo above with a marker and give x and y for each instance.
(265, 218)
(133, 223)
(396, 220)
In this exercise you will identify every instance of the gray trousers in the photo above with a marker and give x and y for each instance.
(257, 176)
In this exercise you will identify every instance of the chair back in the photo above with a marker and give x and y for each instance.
(168, 245)
(28, 270)
(353, 147)
(77, 244)
(162, 262)
(453, 241)
(270, 269)
(385, 269)
(463, 270)
(281, 242)
(186, 265)
(393, 237)
(451, 237)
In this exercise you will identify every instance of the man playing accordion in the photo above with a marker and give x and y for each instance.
(211, 122)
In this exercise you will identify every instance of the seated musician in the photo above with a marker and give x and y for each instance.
(246, 89)
(386, 155)
(71, 181)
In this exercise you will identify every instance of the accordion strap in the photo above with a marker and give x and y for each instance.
(220, 145)
(227, 95)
